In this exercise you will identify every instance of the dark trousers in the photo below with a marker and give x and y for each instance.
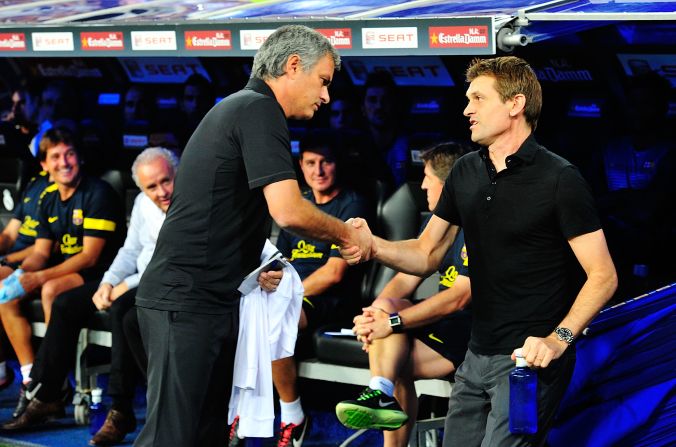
(190, 362)
(478, 410)
(124, 372)
(132, 334)
(70, 312)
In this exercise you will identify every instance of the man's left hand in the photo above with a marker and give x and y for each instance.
(31, 281)
(270, 280)
(539, 352)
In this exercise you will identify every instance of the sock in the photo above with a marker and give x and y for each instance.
(382, 384)
(292, 412)
(26, 373)
(3, 370)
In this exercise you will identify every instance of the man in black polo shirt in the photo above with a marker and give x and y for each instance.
(530, 223)
(236, 172)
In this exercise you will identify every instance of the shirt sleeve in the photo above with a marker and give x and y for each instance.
(44, 230)
(123, 267)
(447, 208)
(575, 207)
(264, 138)
(101, 215)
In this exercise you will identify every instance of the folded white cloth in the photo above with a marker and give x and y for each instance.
(268, 328)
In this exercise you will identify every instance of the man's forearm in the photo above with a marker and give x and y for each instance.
(73, 264)
(308, 221)
(438, 306)
(595, 293)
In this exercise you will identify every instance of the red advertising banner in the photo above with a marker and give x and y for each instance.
(102, 41)
(459, 36)
(340, 38)
(208, 40)
(12, 42)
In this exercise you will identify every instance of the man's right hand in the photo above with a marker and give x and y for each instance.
(361, 247)
(102, 298)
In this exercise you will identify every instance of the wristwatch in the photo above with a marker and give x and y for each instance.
(564, 334)
(396, 323)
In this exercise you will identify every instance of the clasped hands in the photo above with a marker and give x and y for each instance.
(361, 247)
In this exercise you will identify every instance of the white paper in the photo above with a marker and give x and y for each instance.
(250, 281)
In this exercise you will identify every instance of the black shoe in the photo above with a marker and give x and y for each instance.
(372, 409)
(9, 379)
(36, 413)
(23, 402)
(292, 434)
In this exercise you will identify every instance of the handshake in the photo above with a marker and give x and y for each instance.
(361, 246)
(11, 287)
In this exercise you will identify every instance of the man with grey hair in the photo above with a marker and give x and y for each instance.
(153, 171)
(236, 172)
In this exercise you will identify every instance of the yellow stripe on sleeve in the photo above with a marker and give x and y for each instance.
(98, 224)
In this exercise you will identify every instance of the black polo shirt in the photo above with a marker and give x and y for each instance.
(218, 220)
(517, 224)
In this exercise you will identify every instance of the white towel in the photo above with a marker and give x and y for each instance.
(268, 328)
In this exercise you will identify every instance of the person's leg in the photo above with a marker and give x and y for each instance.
(124, 374)
(427, 364)
(55, 287)
(190, 360)
(18, 332)
(132, 334)
(389, 360)
(552, 384)
(71, 311)
(123, 369)
(469, 404)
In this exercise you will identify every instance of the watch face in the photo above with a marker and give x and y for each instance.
(564, 334)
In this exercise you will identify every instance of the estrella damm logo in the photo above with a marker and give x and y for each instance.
(69, 245)
(305, 251)
(78, 217)
(449, 276)
(463, 255)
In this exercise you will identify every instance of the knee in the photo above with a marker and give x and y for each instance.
(49, 291)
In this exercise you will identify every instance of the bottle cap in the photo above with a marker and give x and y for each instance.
(520, 361)
(96, 395)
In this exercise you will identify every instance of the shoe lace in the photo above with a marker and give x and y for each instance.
(368, 393)
(233, 428)
(285, 434)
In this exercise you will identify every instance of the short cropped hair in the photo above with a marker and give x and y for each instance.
(308, 44)
(512, 76)
(148, 156)
(53, 137)
(443, 156)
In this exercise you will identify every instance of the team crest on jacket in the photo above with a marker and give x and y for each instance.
(78, 217)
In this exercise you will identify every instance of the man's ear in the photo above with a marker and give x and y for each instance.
(293, 67)
(518, 103)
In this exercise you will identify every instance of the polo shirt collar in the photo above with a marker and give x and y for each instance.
(526, 152)
(259, 86)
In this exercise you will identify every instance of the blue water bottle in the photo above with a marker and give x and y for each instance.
(523, 402)
(97, 412)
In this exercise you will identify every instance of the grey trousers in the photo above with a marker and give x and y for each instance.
(190, 362)
(478, 410)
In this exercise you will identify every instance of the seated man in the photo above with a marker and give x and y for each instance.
(16, 243)
(331, 290)
(153, 171)
(84, 217)
(407, 341)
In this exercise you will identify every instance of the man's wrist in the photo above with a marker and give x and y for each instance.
(396, 323)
